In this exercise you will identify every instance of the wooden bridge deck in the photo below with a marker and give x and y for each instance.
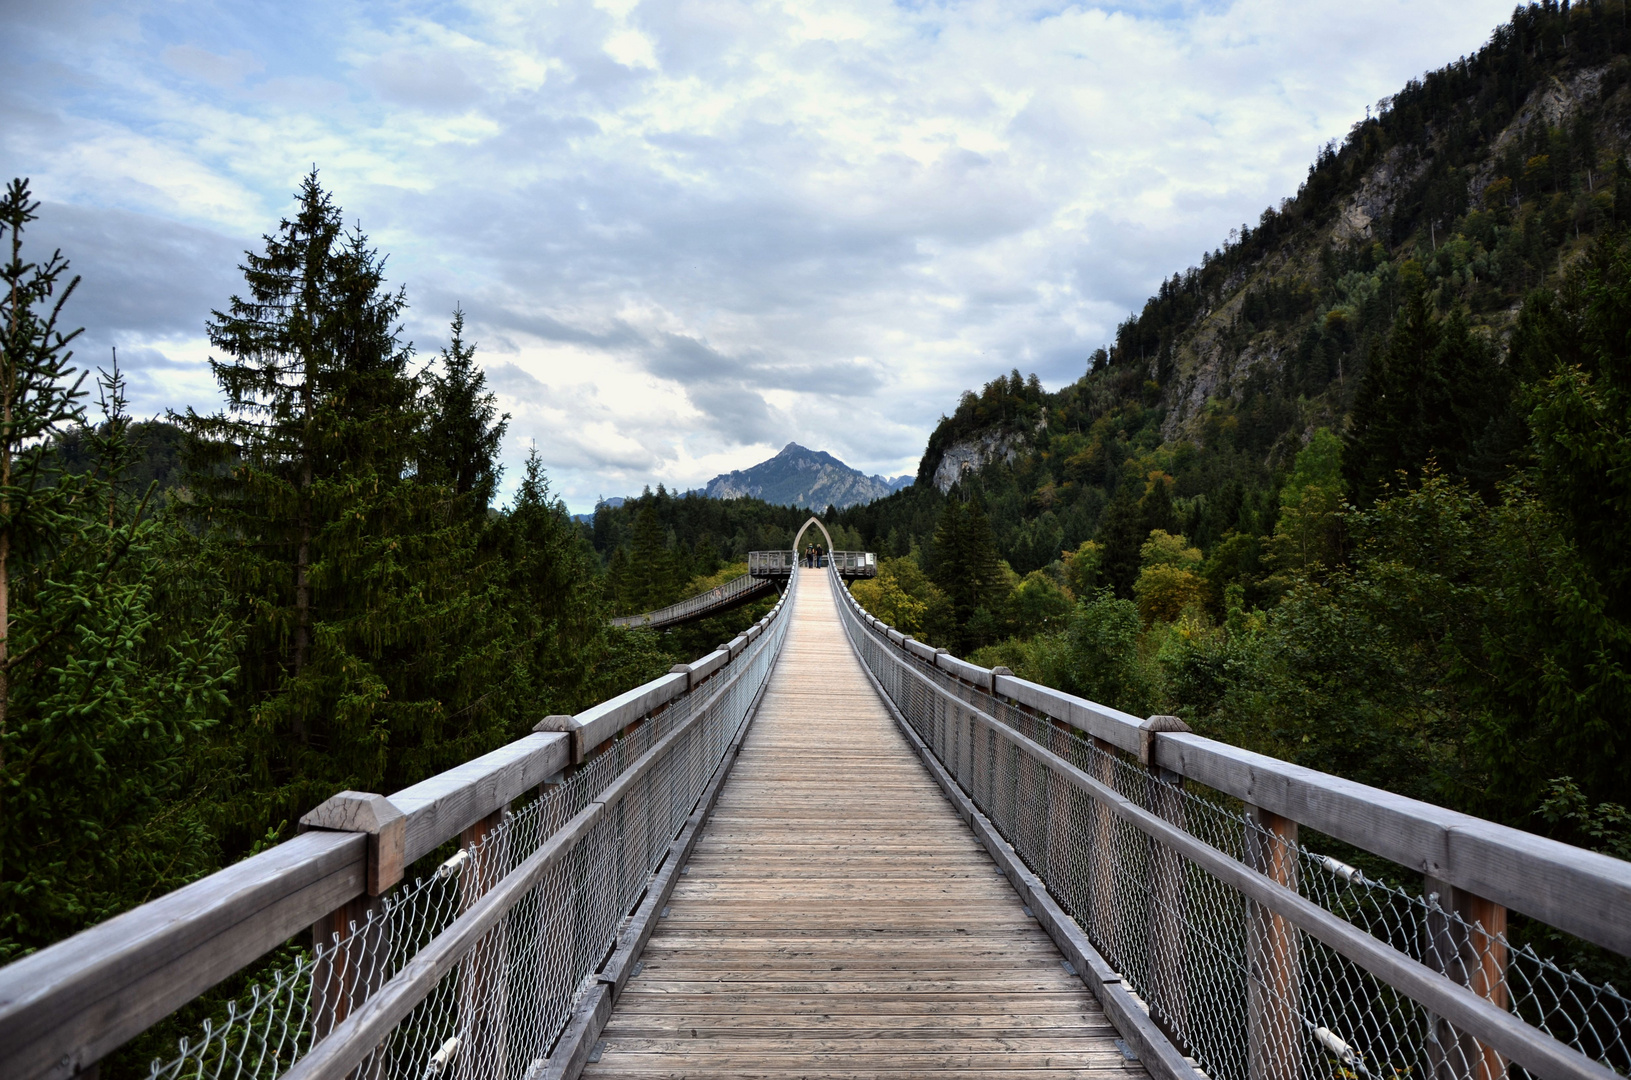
(838, 920)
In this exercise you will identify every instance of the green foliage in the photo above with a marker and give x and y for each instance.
(1308, 534)
(1436, 394)
(693, 533)
(647, 580)
(1039, 604)
(1121, 534)
(903, 596)
(463, 431)
(1581, 411)
(1605, 827)
(1104, 661)
(968, 571)
(1169, 580)
(1081, 569)
(112, 661)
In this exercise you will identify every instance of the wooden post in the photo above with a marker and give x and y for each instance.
(1472, 951)
(1168, 991)
(1273, 968)
(483, 999)
(349, 966)
(347, 972)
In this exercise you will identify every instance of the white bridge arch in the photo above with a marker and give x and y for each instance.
(798, 539)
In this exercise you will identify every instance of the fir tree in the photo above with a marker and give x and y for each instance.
(950, 540)
(1386, 434)
(38, 396)
(109, 673)
(352, 577)
(649, 570)
(551, 587)
(465, 430)
(1120, 534)
(1434, 394)
(1156, 506)
(967, 569)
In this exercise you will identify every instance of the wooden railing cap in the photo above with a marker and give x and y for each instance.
(1149, 728)
(374, 815)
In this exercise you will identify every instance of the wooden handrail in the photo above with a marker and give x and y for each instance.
(1581, 892)
(65, 1007)
(1471, 1013)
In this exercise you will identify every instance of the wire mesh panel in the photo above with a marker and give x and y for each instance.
(498, 1010)
(1239, 988)
(720, 596)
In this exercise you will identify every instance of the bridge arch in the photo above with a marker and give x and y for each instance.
(798, 540)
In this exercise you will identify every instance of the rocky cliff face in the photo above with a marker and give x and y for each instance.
(802, 477)
(972, 454)
(1213, 356)
(1475, 185)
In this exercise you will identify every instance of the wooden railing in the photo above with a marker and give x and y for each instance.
(1065, 773)
(733, 593)
(64, 1008)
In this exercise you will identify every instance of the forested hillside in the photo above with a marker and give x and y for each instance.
(1352, 491)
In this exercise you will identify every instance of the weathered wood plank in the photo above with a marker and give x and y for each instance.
(836, 918)
(450, 802)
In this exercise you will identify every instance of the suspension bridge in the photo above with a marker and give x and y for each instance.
(827, 849)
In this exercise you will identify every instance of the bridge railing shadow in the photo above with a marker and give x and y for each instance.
(1225, 944)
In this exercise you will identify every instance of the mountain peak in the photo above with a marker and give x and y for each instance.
(799, 476)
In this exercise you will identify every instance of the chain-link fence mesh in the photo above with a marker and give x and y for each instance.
(1237, 988)
(728, 595)
(498, 1013)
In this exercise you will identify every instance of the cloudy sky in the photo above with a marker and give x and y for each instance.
(687, 232)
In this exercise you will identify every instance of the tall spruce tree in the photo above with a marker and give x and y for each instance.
(1156, 506)
(967, 568)
(1121, 533)
(465, 429)
(1435, 393)
(343, 564)
(551, 587)
(649, 570)
(108, 675)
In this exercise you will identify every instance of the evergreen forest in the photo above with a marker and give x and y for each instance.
(211, 622)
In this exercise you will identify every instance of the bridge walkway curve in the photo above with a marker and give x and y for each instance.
(837, 919)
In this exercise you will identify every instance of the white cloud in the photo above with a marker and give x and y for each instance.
(688, 231)
(222, 72)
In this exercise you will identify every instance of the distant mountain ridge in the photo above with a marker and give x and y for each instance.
(799, 476)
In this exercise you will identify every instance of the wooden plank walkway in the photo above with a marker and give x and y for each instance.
(838, 920)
